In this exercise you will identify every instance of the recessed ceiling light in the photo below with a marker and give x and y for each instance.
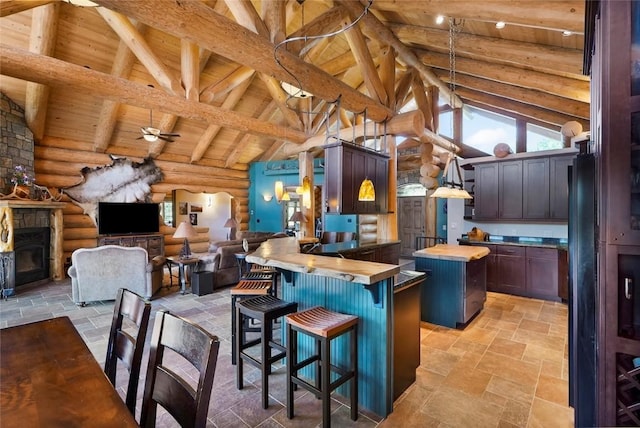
(439, 19)
(566, 33)
(500, 25)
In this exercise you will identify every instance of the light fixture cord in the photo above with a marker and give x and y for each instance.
(320, 36)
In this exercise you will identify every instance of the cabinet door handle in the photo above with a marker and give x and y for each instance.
(628, 288)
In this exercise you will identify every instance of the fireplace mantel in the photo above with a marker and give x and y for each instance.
(56, 224)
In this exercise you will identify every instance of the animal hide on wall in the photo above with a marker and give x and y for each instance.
(122, 181)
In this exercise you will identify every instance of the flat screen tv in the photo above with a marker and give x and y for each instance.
(121, 218)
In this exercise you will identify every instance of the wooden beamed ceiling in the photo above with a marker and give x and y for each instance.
(87, 77)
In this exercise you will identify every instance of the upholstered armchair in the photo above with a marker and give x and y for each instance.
(98, 273)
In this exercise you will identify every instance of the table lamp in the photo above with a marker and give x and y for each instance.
(230, 223)
(185, 230)
(298, 217)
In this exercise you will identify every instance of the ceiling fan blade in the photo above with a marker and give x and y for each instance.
(169, 134)
(167, 139)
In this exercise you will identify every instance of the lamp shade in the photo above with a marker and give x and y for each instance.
(367, 191)
(298, 216)
(185, 230)
(451, 193)
(231, 222)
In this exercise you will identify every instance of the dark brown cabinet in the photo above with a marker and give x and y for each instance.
(527, 271)
(535, 178)
(546, 272)
(486, 191)
(559, 187)
(154, 244)
(510, 270)
(510, 190)
(346, 166)
(380, 253)
(534, 189)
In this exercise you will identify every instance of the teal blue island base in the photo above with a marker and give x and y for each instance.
(374, 332)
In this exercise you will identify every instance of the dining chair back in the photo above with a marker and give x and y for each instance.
(123, 345)
(188, 405)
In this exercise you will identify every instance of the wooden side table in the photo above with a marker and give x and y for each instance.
(181, 263)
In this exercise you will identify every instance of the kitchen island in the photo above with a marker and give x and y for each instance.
(455, 289)
(361, 288)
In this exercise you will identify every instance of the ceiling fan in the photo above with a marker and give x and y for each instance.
(151, 134)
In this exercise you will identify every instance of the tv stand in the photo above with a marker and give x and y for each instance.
(153, 243)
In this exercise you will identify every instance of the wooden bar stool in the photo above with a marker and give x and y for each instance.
(323, 325)
(243, 290)
(262, 275)
(265, 309)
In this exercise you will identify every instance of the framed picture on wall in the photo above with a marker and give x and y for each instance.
(196, 208)
(193, 218)
(183, 208)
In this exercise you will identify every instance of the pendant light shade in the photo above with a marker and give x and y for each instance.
(367, 191)
(451, 189)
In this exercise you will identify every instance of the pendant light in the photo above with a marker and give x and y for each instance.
(367, 191)
(451, 189)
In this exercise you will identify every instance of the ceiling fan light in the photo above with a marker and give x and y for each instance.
(150, 137)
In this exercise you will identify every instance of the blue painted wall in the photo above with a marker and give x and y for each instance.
(268, 216)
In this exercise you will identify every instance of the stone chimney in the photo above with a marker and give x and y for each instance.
(16, 141)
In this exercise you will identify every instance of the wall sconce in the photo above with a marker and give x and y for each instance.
(267, 197)
(306, 192)
(367, 192)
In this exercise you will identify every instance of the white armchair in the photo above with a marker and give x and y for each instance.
(98, 273)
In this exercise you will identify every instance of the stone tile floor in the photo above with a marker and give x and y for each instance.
(507, 368)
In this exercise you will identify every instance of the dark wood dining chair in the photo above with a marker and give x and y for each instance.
(125, 347)
(188, 406)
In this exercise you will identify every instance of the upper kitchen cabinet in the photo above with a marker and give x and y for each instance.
(346, 166)
(528, 187)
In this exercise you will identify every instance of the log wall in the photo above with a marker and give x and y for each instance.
(58, 164)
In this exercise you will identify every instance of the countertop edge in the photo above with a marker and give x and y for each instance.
(284, 253)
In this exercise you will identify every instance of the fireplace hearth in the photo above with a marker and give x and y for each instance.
(31, 247)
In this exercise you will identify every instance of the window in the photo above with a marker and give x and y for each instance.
(482, 129)
(539, 138)
(166, 209)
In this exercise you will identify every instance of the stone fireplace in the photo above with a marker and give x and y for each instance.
(30, 243)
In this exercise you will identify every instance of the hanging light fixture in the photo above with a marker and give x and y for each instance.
(367, 192)
(296, 90)
(451, 189)
(306, 192)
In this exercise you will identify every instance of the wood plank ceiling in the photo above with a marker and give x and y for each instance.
(87, 77)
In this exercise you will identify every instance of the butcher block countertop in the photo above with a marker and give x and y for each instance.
(284, 253)
(461, 253)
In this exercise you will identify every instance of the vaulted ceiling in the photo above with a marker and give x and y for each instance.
(88, 77)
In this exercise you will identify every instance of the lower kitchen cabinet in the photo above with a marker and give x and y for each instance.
(546, 272)
(510, 270)
(527, 271)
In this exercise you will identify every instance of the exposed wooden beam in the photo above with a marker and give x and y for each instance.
(568, 87)
(121, 67)
(523, 95)
(387, 57)
(525, 110)
(44, 30)
(228, 83)
(273, 14)
(9, 7)
(197, 22)
(378, 31)
(532, 56)
(24, 65)
(190, 69)
(551, 15)
(367, 67)
(121, 25)
(212, 130)
(267, 112)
